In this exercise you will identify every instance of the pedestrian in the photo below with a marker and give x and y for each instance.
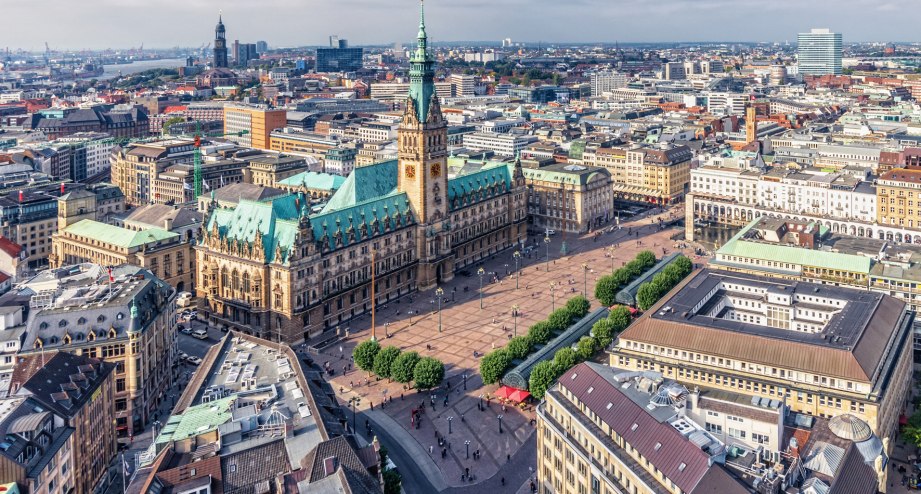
(502, 480)
(431, 449)
(508, 457)
(401, 396)
(372, 405)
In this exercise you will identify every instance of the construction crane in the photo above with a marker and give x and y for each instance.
(196, 157)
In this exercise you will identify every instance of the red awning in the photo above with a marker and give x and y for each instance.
(504, 392)
(519, 395)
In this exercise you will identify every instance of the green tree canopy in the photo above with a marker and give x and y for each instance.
(606, 290)
(384, 360)
(620, 318)
(586, 347)
(428, 373)
(401, 370)
(578, 306)
(603, 332)
(493, 365)
(542, 376)
(540, 332)
(364, 354)
(564, 359)
(519, 347)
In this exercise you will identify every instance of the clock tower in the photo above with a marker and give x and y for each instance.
(423, 152)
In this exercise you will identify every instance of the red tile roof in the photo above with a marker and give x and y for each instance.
(11, 248)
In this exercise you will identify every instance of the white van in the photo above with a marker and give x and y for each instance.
(201, 334)
(184, 299)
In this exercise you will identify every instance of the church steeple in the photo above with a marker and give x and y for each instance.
(220, 43)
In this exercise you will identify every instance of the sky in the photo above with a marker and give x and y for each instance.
(95, 24)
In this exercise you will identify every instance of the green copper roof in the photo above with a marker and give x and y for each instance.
(491, 180)
(365, 183)
(314, 180)
(196, 420)
(119, 236)
(343, 227)
(421, 73)
(275, 221)
(802, 256)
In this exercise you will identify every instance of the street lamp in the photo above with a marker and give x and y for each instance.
(481, 272)
(500, 422)
(547, 243)
(354, 402)
(585, 280)
(467, 446)
(450, 419)
(517, 256)
(552, 298)
(439, 293)
(611, 250)
(515, 318)
(465, 382)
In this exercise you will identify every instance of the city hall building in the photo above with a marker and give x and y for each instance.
(277, 270)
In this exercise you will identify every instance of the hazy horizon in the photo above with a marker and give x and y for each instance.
(190, 23)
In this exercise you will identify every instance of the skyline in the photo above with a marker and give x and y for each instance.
(368, 22)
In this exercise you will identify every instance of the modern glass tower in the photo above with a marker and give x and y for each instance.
(819, 52)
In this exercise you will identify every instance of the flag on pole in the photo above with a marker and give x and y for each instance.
(222, 180)
(187, 186)
(208, 187)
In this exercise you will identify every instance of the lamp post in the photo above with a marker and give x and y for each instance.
(552, 299)
(500, 422)
(353, 402)
(547, 243)
(611, 250)
(585, 280)
(515, 318)
(450, 419)
(467, 446)
(440, 294)
(517, 256)
(465, 382)
(481, 272)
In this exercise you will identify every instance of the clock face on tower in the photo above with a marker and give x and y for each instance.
(435, 170)
(410, 171)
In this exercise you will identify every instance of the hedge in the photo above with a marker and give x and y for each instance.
(650, 292)
(607, 286)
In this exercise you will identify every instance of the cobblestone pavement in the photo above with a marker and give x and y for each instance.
(468, 331)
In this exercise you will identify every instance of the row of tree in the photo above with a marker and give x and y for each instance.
(494, 364)
(603, 332)
(403, 367)
(650, 292)
(608, 286)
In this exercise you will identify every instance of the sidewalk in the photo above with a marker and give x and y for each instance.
(410, 445)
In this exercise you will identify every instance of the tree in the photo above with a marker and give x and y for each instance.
(647, 295)
(542, 376)
(560, 319)
(564, 359)
(518, 347)
(364, 354)
(603, 332)
(540, 332)
(586, 347)
(606, 290)
(620, 318)
(646, 259)
(401, 370)
(578, 306)
(392, 482)
(684, 264)
(169, 123)
(428, 373)
(384, 359)
(493, 365)
(912, 431)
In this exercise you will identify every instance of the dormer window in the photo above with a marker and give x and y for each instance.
(62, 323)
(43, 325)
(82, 320)
(119, 316)
(101, 319)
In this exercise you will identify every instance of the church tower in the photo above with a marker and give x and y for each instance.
(220, 45)
(423, 161)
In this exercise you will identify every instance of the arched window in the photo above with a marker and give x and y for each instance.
(235, 279)
(246, 285)
(224, 281)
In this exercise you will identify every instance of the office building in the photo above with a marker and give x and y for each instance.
(340, 161)
(568, 198)
(269, 169)
(75, 396)
(125, 317)
(464, 84)
(822, 350)
(502, 144)
(244, 53)
(220, 45)
(255, 418)
(338, 59)
(253, 125)
(27, 465)
(56, 123)
(818, 52)
(674, 71)
(274, 268)
(90, 153)
(603, 82)
(262, 47)
(399, 91)
(658, 175)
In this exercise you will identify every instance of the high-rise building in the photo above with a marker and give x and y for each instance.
(464, 84)
(245, 52)
(603, 82)
(338, 57)
(819, 52)
(220, 45)
(255, 124)
(262, 47)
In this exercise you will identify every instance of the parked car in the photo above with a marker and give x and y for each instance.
(194, 360)
(186, 331)
(183, 356)
(201, 334)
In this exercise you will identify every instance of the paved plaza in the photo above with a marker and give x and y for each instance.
(466, 331)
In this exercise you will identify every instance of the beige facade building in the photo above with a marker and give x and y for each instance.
(278, 270)
(253, 125)
(268, 170)
(126, 317)
(823, 350)
(568, 198)
(659, 175)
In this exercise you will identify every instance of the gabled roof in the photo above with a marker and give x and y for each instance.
(364, 184)
(11, 248)
(339, 228)
(273, 222)
(484, 183)
(314, 180)
(342, 456)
